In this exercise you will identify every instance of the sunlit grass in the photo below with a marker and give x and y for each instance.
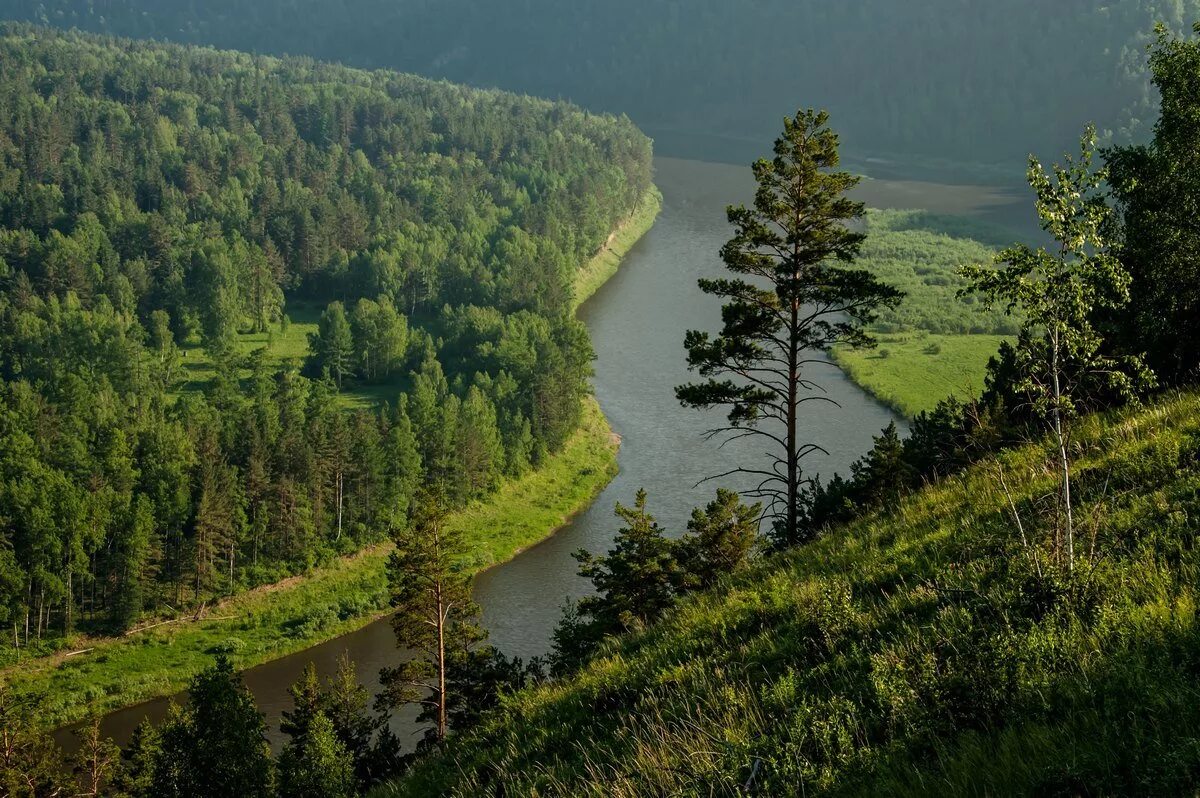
(913, 372)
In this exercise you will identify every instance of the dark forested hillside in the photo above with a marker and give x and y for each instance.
(158, 204)
(978, 82)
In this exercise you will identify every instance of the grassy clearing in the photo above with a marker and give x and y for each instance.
(911, 373)
(935, 344)
(602, 267)
(290, 616)
(284, 345)
(921, 651)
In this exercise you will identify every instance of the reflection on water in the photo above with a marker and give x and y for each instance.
(637, 322)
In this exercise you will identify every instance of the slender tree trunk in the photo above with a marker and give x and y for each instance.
(793, 464)
(1063, 460)
(442, 722)
(340, 494)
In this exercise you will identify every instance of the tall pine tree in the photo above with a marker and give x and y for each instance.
(793, 296)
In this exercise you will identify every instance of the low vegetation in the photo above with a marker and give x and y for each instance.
(936, 343)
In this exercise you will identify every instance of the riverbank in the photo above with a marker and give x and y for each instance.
(604, 265)
(94, 676)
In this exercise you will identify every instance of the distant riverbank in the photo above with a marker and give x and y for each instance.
(98, 675)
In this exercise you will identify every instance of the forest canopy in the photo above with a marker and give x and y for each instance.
(983, 82)
(159, 204)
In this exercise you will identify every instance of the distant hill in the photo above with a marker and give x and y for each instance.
(914, 653)
(940, 80)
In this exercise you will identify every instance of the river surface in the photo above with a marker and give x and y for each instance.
(637, 322)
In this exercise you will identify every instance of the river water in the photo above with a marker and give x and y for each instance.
(637, 322)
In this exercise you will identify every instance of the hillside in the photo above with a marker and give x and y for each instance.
(168, 436)
(911, 653)
(943, 80)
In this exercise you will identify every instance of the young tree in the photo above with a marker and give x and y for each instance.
(1060, 354)
(96, 761)
(792, 298)
(635, 584)
(883, 476)
(316, 764)
(435, 618)
(345, 701)
(31, 765)
(135, 777)
(217, 744)
(720, 538)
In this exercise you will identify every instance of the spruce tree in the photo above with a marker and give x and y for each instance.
(317, 764)
(719, 540)
(331, 347)
(792, 297)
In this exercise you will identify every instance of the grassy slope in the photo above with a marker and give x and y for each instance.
(913, 372)
(913, 653)
(290, 616)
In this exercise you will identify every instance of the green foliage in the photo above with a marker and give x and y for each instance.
(434, 618)
(1157, 188)
(216, 744)
(158, 447)
(317, 765)
(919, 253)
(918, 646)
(30, 764)
(1060, 354)
(332, 345)
(339, 597)
(645, 573)
(720, 539)
(634, 583)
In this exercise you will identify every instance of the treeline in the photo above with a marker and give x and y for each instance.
(975, 82)
(157, 202)
(216, 744)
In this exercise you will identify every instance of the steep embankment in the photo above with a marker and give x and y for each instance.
(103, 674)
(922, 651)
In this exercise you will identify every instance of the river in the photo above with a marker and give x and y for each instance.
(637, 322)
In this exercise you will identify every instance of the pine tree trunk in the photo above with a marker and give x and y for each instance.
(793, 465)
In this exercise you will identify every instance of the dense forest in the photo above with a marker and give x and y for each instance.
(945, 80)
(159, 203)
